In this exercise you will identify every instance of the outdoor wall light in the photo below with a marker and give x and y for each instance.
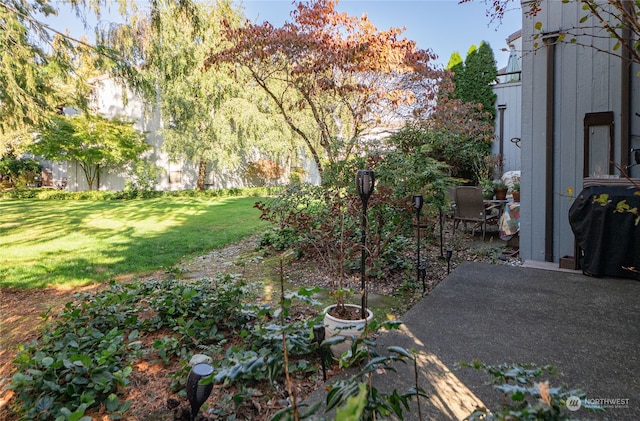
(365, 182)
(198, 393)
(636, 157)
(449, 255)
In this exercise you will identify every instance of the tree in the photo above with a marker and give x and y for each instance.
(620, 20)
(94, 142)
(209, 117)
(38, 70)
(480, 68)
(474, 78)
(332, 76)
(27, 94)
(17, 171)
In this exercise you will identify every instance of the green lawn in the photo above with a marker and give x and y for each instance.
(72, 243)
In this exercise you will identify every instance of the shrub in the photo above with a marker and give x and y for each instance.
(83, 359)
(263, 172)
(326, 223)
(49, 194)
(19, 172)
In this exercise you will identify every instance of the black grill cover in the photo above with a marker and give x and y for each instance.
(609, 240)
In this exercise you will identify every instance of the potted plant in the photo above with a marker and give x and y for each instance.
(500, 189)
(344, 319)
(488, 189)
(515, 192)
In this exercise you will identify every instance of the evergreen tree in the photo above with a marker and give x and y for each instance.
(479, 75)
(474, 78)
(456, 66)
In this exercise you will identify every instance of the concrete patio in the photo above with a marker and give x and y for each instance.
(588, 328)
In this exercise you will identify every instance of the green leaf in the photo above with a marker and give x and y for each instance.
(47, 361)
(401, 351)
(133, 335)
(78, 416)
(112, 403)
(538, 26)
(517, 396)
(584, 18)
(44, 403)
(353, 409)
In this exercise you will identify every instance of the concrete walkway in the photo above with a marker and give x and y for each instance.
(588, 328)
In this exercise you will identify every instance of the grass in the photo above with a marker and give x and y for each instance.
(74, 243)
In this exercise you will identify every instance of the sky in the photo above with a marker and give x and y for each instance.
(444, 26)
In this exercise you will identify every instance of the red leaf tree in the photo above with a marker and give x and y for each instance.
(334, 77)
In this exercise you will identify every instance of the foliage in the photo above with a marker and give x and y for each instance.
(278, 238)
(84, 358)
(143, 176)
(296, 176)
(526, 395)
(377, 404)
(19, 171)
(263, 172)
(328, 88)
(43, 66)
(27, 92)
(419, 160)
(515, 187)
(325, 222)
(94, 142)
(457, 151)
(135, 193)
(210, 118)
(485, 168)
(474, 80)
(614, 16)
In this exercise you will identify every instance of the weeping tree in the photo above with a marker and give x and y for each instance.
(40, 66)
(94, 142)
(209, 118)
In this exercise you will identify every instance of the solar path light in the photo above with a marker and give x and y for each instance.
(365, 182)
(198, 393)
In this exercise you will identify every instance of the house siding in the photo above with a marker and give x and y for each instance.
(510, 95)
(586, 81)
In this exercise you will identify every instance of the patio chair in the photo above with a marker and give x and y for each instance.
(470, 207)
(451, 194)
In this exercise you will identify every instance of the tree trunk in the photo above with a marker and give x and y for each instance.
(202, 174)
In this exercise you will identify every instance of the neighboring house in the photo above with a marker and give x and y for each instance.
(508, 104)
(110, 100)
(577, 102)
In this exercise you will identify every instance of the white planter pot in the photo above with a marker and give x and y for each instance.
(346, 328)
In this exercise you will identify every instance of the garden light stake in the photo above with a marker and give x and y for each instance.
(365, 181)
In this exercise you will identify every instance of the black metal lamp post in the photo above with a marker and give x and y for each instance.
(198, 393)
(441, 224)
(418, 201)
(365, 181)
(449, 255)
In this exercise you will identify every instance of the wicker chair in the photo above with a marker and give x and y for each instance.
(470, 207)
